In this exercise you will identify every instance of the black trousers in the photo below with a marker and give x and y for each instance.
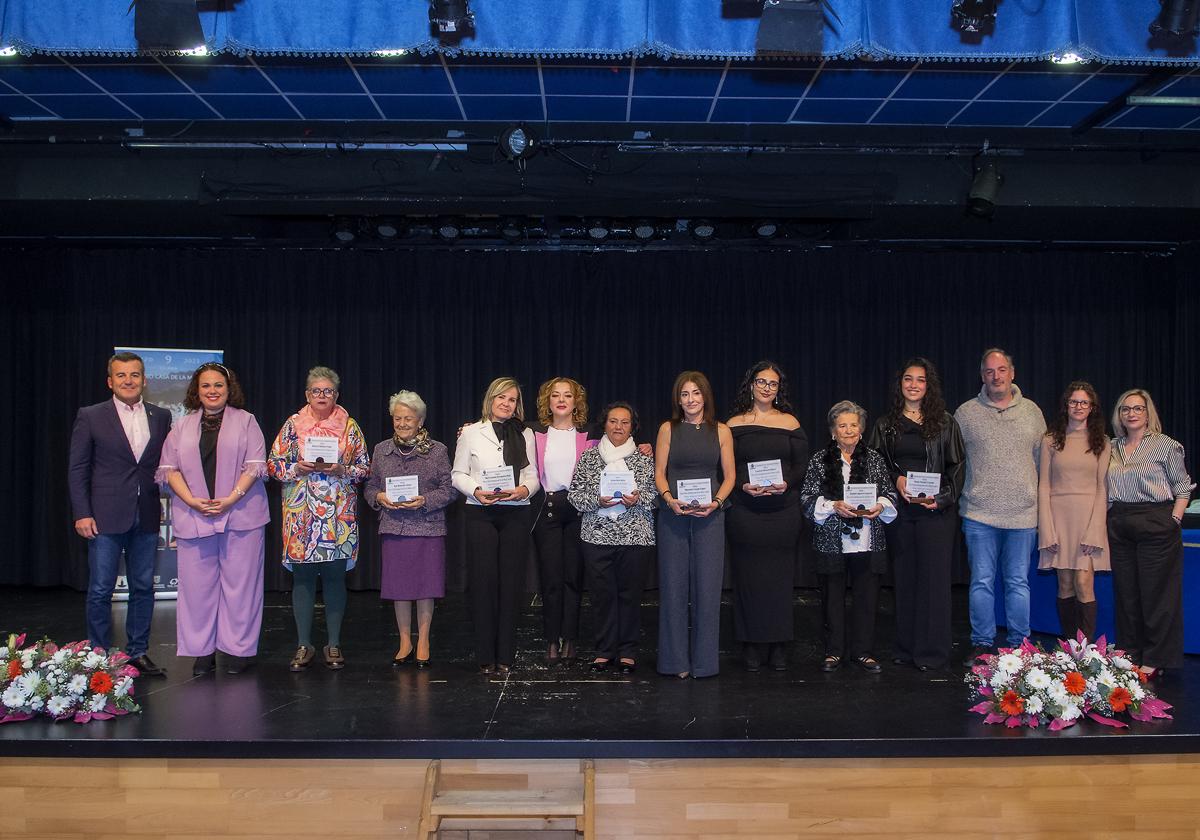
(922, 543)
(497, 548)
(856, 639)
(560, 567)
(616, 578)
(1146, 547)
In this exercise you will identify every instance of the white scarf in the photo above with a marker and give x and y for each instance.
(614, 461)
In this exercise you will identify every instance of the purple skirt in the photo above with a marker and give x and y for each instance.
(413, 568)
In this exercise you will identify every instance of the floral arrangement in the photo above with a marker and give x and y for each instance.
(1028, 686)
(75, 681)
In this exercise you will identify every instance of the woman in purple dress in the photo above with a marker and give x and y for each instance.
(412, 529)
(214, 461)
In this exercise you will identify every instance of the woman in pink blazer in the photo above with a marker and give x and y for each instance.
(214, 461)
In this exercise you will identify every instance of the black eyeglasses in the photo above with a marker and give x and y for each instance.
(767, 384)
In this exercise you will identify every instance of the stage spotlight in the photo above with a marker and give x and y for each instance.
(766, 229)
(644, 230)
(167, 25)
(451, 18)
(703, 230)
(517, 143)
(793, 27)
(1177, 18)
(981, 200)
(388, 227)
(598, 230)
(512, 230)
(448, 229)
(973, 16)
(344, 230)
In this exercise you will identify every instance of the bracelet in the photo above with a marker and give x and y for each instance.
(718, 500)
(1178, 519)
(239, 490)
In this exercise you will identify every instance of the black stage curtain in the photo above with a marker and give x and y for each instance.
(445, 323)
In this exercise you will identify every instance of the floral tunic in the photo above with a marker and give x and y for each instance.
(320, 520)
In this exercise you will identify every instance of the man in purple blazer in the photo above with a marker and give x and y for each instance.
(115, 446)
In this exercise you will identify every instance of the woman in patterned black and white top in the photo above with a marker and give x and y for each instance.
(1148, 490)
(617, 534)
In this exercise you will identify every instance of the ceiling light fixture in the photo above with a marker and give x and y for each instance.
(344, 230)
(517, 143)
(644, 230)
(451, 18)
(448, 229)
(703, 230)
(598, 230)
(973, 16)
(981, 200)
(766, 229)
(1068, 58)
(1177, 19)
(171, 25)
(512, 230)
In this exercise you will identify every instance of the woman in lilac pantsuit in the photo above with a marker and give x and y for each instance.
(214, 461)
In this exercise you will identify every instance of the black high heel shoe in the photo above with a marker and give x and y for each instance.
(398, 661)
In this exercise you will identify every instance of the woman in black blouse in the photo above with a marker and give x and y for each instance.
(764, 520)
(918, 435)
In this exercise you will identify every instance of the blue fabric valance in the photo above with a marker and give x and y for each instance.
(1109, 31)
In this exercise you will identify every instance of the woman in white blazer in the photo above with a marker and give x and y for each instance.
(497, 518)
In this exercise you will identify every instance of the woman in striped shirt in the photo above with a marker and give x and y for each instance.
(1148, 489)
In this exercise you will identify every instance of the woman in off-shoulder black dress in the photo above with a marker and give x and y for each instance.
(764, 522)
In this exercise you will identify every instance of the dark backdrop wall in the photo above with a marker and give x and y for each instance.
(624, 323)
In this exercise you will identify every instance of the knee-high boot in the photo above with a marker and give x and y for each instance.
(1068, 617)
(1086, 613)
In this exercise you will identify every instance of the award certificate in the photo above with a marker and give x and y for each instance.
(765, 473)
(694, 492)
(923, 485)
(860, 496)
(498, 478)
(401, 488)
(614, 484)
(320, 449)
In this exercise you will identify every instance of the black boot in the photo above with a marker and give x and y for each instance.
(1068, 617)
(1086, 612)
(751, 657)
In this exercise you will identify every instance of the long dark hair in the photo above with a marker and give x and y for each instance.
(191, 399)
(1057, 431)
(933, 404)
(706, 391)
(744, 401)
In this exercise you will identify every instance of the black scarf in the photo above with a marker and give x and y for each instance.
(832, 486)
(512, 434)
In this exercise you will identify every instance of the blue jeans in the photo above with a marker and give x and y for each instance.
(1009, 550)
(104, 555)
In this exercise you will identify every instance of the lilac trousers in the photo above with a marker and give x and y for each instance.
(220, 593)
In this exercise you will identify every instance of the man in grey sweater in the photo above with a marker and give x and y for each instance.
(1003, 433)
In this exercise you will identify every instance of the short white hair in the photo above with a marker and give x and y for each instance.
(321, 372)
(411, 399)
(847, 407)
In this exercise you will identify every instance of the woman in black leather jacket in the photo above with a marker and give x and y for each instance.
(918, 435)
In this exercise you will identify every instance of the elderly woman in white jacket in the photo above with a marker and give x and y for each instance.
(495, 469)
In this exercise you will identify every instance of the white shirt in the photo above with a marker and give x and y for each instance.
(824, 509)
(559, 459)
(136, 425)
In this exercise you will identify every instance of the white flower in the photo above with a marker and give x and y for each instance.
(1000, 680)
(1063, 658)
(1038, 679)
(93, 660)
(122, 688)
(27, 659)
(1057, 693)
(77, 685)
(13, 697)
(98, 702)
(1093, 655)
(1122, 663)
(29, 681)
(58, 704)
(59, 656)
(1070, 712)
(3, 652)
(1034, 705)
(1136, 691)
(1010, 663)
(36, 703)
(1106, 678)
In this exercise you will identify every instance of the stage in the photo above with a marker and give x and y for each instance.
(374, 710)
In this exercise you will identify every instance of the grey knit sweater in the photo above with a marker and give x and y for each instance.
(1002, 460)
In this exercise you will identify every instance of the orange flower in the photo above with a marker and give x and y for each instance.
(14, 668)
(1119, 699)
(1075, 683)
(1011, 704)
(101, 683)
(1141, 675)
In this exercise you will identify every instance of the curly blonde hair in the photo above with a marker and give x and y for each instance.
(579, 416)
